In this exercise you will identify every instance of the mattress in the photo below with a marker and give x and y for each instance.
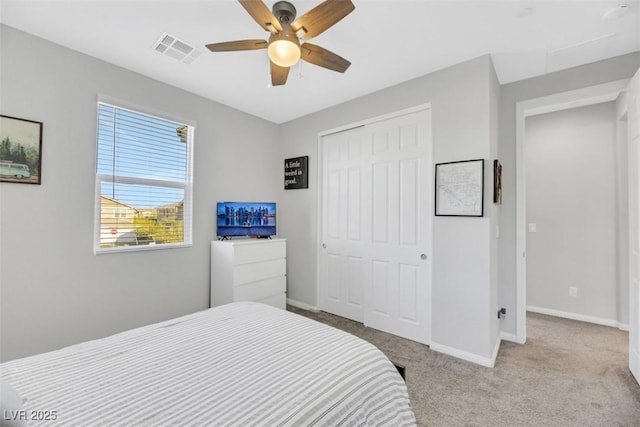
(241, 364)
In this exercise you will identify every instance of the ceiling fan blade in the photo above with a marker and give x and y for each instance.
(324, 58)
(278, 74)
(238, 45)
(262, 15)
(321, 17)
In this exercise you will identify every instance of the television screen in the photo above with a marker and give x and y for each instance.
(246, 219)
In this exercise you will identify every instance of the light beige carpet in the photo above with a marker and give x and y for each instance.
(568, 373)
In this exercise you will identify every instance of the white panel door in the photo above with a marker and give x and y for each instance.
(399, 290)
(342, 261)
(377, 209)
(634, 224)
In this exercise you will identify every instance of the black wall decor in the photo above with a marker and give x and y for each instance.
(296, 173)
(497, 182)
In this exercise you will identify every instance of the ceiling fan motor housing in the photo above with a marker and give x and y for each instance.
(284, 11)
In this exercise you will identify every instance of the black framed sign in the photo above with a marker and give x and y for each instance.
(20, 150)
(459, 188)
(296, 173)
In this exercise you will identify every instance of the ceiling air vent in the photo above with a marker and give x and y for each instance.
(176, 48)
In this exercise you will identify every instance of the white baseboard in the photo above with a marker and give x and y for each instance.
(302, 305)
(505, 336)
(634, 364)
(580, 317)
(496, 349)
(488, 362)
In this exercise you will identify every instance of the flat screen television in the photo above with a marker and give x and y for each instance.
(246, 219)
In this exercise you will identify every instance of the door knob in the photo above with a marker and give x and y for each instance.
(423, 256)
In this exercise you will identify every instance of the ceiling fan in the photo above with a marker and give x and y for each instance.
(284, 48)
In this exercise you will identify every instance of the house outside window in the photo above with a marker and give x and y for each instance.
(143, 181)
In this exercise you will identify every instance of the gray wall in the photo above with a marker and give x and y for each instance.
(622, 205)
(495, 209)
(596, 73)
(571, 165)
(53, 290)
(464, 106)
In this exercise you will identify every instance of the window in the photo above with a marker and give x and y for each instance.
(143, 181)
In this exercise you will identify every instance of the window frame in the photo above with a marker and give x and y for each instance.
(187, 186)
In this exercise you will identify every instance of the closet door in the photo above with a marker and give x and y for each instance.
(399, 288)
(377, 210)
(344, 223)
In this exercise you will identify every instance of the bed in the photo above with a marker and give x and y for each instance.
(241, 364)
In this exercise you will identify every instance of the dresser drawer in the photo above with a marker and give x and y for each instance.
(248, 270)
(255, 271)
(256, 291)
(259, 251)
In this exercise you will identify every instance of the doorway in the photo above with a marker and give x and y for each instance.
(572, 219)
(579, 98)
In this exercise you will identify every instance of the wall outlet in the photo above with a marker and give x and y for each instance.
(573, 291)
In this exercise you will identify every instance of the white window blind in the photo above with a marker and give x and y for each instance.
(143, 181)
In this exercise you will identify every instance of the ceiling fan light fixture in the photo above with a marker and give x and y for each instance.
(284, 53)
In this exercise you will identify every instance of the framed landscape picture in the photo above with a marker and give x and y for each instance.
(20, 150)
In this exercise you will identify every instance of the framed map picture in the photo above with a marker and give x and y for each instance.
(20, 150)
(459, 188)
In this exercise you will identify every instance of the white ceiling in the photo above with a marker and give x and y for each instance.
(388, 42)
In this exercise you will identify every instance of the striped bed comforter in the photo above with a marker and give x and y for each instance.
(242, 364)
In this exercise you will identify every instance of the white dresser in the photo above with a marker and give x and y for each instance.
(249, 270)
